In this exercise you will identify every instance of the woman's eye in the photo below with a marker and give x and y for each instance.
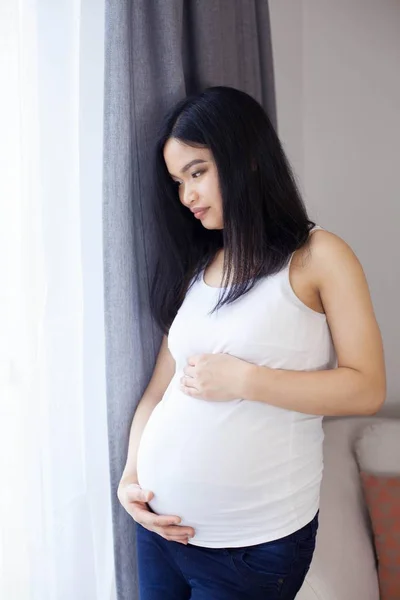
(178, 183)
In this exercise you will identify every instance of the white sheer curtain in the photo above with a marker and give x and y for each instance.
(55, 512)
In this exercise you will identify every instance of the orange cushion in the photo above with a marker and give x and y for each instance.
(382, 495)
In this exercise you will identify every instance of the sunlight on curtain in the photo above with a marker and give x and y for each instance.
(55, 512)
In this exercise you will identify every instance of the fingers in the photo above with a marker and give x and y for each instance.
(141, 513)
(171, 536)
(149, 518)
(134, 493)
(166, 526)
(178, 531)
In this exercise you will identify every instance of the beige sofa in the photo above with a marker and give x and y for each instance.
(344, 565)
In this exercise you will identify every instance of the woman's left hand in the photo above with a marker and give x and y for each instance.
(215, 377)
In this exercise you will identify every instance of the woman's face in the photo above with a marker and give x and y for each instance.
(196, 177)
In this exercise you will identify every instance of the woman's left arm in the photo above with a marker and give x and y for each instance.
(358, 385)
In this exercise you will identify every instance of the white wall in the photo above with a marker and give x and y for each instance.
(337, 77)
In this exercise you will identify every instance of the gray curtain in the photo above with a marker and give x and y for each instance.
(157, 51)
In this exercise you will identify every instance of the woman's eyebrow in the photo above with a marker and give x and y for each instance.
(190, 164)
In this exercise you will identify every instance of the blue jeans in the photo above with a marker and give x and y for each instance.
(269, 571)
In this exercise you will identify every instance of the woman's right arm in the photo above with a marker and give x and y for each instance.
(163, 372)
(130, 494)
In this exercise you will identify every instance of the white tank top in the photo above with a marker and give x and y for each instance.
(239, 472)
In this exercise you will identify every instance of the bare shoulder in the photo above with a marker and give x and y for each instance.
(330, 256)
(322, 245)
(311, 264)
(324, 257)
(323, 240)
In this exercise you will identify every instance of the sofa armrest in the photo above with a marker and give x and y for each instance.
(344, 565)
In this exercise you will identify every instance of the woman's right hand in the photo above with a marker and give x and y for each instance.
(134, 500)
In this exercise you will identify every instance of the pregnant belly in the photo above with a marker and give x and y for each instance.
(210, 462)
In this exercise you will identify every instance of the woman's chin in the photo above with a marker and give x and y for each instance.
(211, 223)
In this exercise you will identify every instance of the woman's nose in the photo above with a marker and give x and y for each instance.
(189, 196)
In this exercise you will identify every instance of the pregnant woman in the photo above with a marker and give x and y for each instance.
(268, 326)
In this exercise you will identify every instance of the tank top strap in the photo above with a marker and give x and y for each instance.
(287, 286)
(291, 256)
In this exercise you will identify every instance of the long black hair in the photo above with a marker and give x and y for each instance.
(264, 217)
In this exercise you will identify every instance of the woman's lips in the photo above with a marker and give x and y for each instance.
(200, 213)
